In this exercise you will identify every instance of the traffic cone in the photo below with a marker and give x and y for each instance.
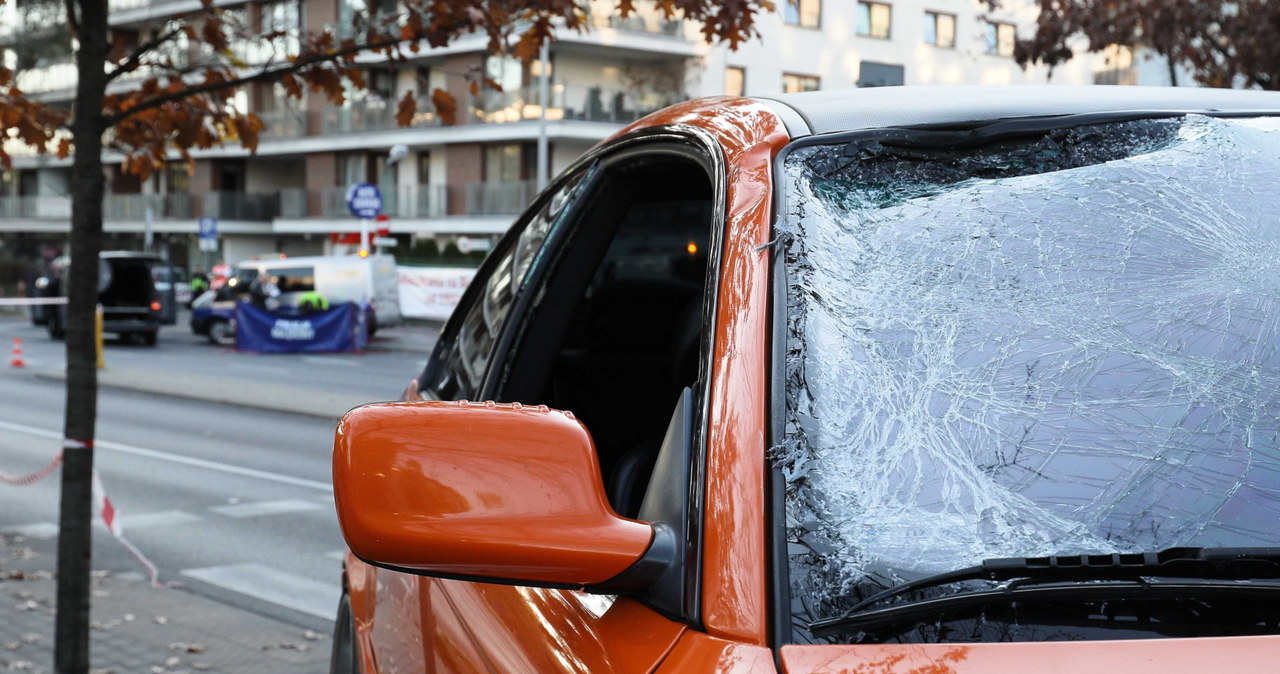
(16, 360)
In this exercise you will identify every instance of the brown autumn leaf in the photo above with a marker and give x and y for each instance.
(64, 148)
(446, 106)
(406, 110)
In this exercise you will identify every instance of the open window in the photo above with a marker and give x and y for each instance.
(614, 320)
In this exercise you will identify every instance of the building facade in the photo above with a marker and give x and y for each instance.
(462, 183)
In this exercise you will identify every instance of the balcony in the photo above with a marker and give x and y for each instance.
(406, 201)
(568, 102)
(498, 198)
(134, 206)
(415, 201)
(57, 77)
(239, 205)
(125, 5)
(650, 21)
(589, 103)
(373, 115)
(39, 206)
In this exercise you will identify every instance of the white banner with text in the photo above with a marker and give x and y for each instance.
(432, 292)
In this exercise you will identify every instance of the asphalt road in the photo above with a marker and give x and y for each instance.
(234, 502)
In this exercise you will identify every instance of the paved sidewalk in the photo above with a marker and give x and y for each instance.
(137, 629)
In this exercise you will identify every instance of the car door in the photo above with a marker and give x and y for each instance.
(595, 304)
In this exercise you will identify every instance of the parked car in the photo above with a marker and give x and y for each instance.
(173, 285)
(861, 381)
(130, 305)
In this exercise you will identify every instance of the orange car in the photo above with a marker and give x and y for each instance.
(891, 381)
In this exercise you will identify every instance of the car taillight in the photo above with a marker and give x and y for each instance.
(155, 305)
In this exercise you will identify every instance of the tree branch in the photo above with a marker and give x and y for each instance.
(72, 22)
(135, 58)
(263, 74)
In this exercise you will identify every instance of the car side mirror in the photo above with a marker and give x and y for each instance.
(483, 491)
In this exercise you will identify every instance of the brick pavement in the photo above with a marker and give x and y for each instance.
(138, 629)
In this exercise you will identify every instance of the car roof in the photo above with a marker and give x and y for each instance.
(872, 108)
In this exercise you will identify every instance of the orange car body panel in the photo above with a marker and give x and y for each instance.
(700, 653)
(734, 585)
(549, 521)
(1166, 656)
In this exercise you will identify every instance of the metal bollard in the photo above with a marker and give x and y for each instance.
(97, 335)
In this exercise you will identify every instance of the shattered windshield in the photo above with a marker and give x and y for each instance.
(1056, 343)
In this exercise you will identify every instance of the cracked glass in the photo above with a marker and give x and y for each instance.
(1055, 343)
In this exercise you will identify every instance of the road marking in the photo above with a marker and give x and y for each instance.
(156, 519)
(268, 584)
(325, 360)
(36, 530)
(174, 458)
(241, 510)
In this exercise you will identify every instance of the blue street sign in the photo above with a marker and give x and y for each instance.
(364, 200)
(208, 228)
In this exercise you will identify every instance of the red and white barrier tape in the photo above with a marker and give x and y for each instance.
(24, 480)
(101, 503)
(30, 301)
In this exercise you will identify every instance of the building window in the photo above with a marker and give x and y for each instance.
(1118, 67)
(735, 81)
(874, 19)
(805, 13)
(794, 84)
(1000, 38)
(503, 163)
(940, 30)
(872, 74)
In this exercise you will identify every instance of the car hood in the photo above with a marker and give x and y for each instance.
(1167, 656)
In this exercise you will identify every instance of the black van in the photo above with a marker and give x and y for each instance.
(126, 291)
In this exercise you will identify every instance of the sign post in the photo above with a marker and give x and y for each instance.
(364, 200)
(208, 229)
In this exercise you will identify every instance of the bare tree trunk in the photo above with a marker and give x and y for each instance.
(71, 637)
(1173, 71)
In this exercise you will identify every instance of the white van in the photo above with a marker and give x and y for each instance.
(349, 278)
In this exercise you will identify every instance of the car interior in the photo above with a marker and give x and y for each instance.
(614, 324)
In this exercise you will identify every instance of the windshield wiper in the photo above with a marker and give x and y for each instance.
(895, 619)
(1198, 563)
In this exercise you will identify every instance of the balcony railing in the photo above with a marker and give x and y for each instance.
(373, 115)
(499, 198)
(645, 19)
(39, 206)
(114, 206)
(406, 201)
(240, 205)
(134, 206)
(591, 103)
(122, 5)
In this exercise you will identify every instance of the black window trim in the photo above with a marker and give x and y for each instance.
(696, 145)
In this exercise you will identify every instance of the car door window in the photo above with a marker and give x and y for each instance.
(457, 367)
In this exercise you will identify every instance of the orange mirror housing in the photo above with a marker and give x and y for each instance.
(480, 491)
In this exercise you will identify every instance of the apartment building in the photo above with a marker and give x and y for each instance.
(468, 179)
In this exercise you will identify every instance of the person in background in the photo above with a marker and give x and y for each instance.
(311, 301)
(263, 292)
(199, 283)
